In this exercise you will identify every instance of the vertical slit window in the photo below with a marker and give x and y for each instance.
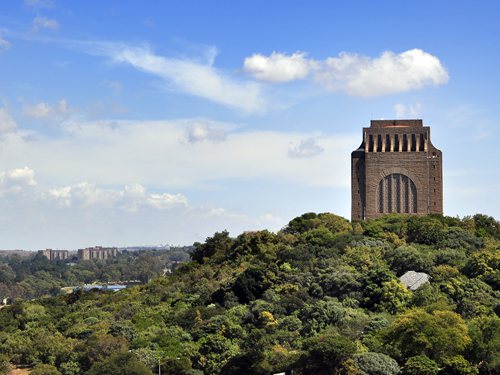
(379, 143)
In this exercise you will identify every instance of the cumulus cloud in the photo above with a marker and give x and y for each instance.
(389, 73)
(7, 122)
(198, 78)
(166, 200)
(199, 131)
(278, 67)
(130, 198)
(16, 180)
(41, 22)
(354, 74)
(4, 44)
(307, 148)
(44, 110)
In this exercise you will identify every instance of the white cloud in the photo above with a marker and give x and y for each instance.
(278, 67)
(408, 111)
(16, 180)
(187, 75)
(7, 123)
(354, 74)
(130, 198)
(307, 148)
(166, 200)
(87, 213)
(389, 73)
(116, 153)
(41, 22)
(199, 131)
(4, 44)
(44, 110)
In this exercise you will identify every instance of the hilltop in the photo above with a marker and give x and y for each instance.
(321, 296)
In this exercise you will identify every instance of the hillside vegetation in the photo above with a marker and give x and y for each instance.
(35, 276)
(322, 296)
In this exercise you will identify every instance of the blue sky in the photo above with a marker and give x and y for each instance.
(127, 122)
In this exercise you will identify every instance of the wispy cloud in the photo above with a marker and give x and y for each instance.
(44, 110)
(7, 122)
(353, 74)
(4, 44)
(408, 111)
(307, 148)
(188, 75)
(41, 22)
(199, 147)
(199, 131)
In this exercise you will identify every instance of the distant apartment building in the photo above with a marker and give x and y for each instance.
(54, 254)
(97, 252)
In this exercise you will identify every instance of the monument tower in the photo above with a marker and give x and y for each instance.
(396, 170)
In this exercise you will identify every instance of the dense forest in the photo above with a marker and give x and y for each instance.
(35, 276)
(322, 296)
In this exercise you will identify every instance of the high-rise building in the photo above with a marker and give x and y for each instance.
(396, 170)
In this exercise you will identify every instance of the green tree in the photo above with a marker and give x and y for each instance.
(5, 366)
(44, 369)
(426, 230)
(120, 364)
(375, 364)
(326, 352)
(394, 297)
(437, 334)
(220, 242)
(458, 365)
(486, 226)
(420, 365)
(485, 347)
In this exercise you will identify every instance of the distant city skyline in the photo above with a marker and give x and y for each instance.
(127, 122)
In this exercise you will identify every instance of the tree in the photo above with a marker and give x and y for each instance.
(44, 369)
(219, 243)
(420, 365)
(458, 365)
(325, 352)
(250, 285)
(485, 348)
(408, 258)
(120, 364)
(394, 297)
(335, 224)
(5, 366)
(376, 364)
(436, 335)
(99, 347)
(426, 230)
(486, 226)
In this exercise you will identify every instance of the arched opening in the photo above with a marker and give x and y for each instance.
(397, 193)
